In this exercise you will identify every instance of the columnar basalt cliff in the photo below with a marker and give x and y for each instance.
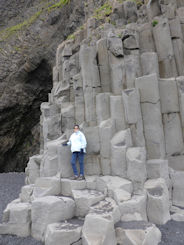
(122, 81)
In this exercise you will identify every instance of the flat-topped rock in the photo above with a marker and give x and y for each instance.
(46, 186)
(137, 204)
(98, 230)
(16, 219)
(84, 199)
(67, 185)
(137, 232)
(108, 184)
(47, 210)
(68, 232)
(106, 208)
(158, 201)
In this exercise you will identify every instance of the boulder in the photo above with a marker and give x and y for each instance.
(137, 232)
(106, 208)
(48, 210)
(46, 186)
(68, 232)
(121, 195)
(137, 204)
(110, 184)
(158, 201)
(16, 219)
(67, 185)
(98, 230)
(84, 199)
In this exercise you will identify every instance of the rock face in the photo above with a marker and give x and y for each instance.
(29, 35)
(124, 87)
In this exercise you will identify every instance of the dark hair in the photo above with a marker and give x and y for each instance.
(76, 125)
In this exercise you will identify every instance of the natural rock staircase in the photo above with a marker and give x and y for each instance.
(124, 86)
(97, 203)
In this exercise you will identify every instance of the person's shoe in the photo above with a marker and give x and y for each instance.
(81, 177)
(75, 177)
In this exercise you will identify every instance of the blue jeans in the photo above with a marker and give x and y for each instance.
(80, 156)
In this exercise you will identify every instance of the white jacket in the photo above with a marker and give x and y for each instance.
(77, 141)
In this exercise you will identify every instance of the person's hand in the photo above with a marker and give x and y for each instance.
(81, 150)
(64, 144)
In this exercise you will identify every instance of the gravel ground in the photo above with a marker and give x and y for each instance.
(10, 185)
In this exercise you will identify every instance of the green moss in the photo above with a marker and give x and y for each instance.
(6, 33)
(16, 48)
(81, 27)
(71, 37)
(154, 23)
(104, 10)
(138, 2)
(60, 4)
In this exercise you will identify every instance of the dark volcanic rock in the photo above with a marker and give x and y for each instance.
(27, 55)
(26, 60)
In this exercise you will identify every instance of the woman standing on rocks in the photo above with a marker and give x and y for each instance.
(78, 147)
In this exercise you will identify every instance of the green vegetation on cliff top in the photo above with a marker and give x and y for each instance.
(6, 33)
